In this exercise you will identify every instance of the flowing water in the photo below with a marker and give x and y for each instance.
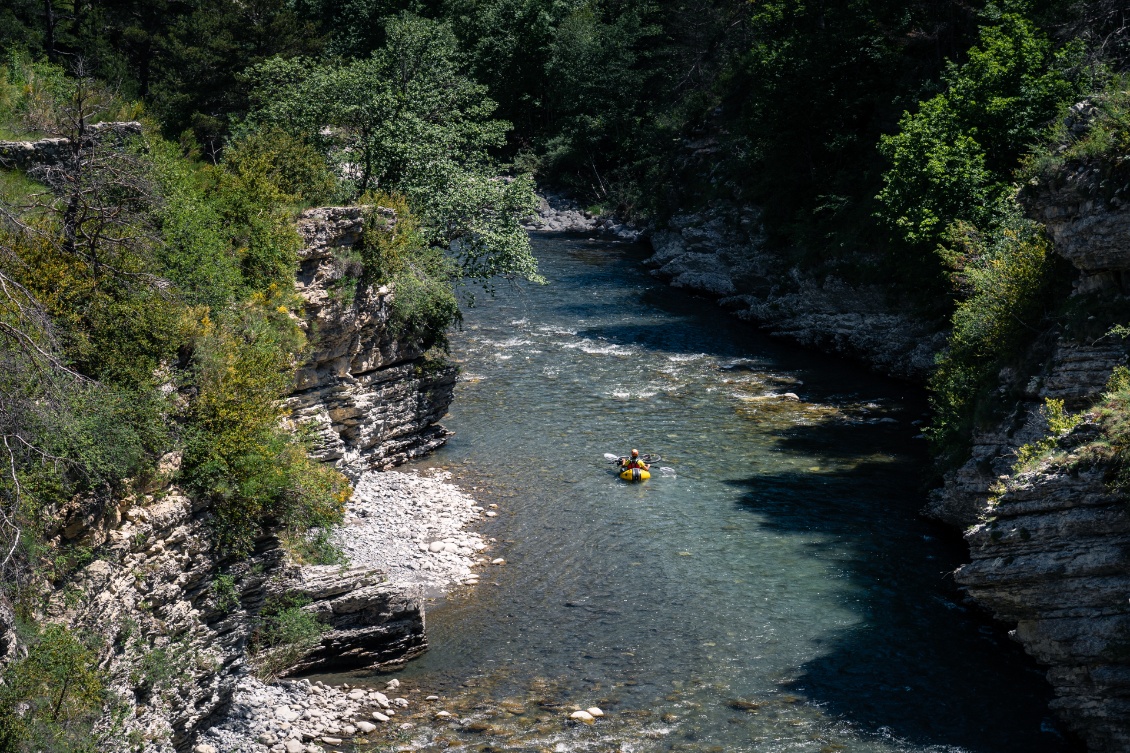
(769, 589)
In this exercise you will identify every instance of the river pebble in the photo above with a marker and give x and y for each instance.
(296, 716)
(412, 527)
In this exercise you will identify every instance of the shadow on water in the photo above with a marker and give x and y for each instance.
(903, 669)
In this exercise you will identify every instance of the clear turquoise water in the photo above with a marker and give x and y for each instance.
(779, 561)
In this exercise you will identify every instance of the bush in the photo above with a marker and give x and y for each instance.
(1098, 137)
(1005, 278)
(284, 633)
(237, 454)
(283, 164)
(423, 304)
(952, 160)
(51, 698)
(1059, 423)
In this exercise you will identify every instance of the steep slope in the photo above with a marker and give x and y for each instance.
(1050, 546)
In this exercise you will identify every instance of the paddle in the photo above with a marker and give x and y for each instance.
(648, 458)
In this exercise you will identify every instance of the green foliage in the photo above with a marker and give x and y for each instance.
(315, 547)
(421, 277)
(51, 698)
(1112, 414)
(408, 120)
(280, 165)
(236, 451)
(284, 633)
(1005, 278)
(1099, 140)
(952, 159)
(225, 593)
(1059, 422)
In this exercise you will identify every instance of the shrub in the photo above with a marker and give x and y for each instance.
(282, 164)
(51, 698)
(283, 634)
(1006, 280)
(237, 454)
(423, 299)
(1059, 423)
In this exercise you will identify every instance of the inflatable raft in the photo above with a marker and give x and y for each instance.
(635, 474)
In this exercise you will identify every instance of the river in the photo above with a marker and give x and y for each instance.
(771, 588)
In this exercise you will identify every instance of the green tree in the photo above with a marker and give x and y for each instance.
(953, 158)
(406, 119)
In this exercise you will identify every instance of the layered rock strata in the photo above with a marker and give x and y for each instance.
(1050, 547)
(371, 400)
(177, 619)
(177, 624)
(723, 252)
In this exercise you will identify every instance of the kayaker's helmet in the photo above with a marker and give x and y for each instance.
(635, 453)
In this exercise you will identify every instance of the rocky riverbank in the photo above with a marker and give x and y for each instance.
(560, 214)
(412, 528)
(722, 252)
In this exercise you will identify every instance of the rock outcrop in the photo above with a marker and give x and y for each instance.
(559, 214)
(1054, 558)
(723, 253)
(1050, 547)
(176, 619)
(371, 400)
(25, 155)
(176, 623)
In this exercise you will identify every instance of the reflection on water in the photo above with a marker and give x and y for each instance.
(773, 591)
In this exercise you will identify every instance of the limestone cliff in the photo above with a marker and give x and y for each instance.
(176, 634)
(1050, 547)
(178, 620)
(371, 399)
(723, 252)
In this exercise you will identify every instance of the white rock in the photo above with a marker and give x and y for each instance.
(293, 746)
(443, 714)
(332, 740)
(583, 716)
(204, 748)
(381, 699)
(356, 695)
(432, 698)
(285, 713)
(366, 727)
(349, 729)
(401, 702)
(435, 546)
(595, 711)
(498, 561)
(379, 716)
(490, 513)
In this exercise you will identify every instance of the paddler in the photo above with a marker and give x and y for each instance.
(634, 462)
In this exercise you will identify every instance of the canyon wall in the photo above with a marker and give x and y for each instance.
(1050, 546)
(371, 400)
(177, 620)
(722, 252)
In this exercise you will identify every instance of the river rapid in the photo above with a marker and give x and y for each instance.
(771, 588)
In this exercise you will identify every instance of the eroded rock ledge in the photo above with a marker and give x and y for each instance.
(371, 400)
(177, 620)
(723, 252)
